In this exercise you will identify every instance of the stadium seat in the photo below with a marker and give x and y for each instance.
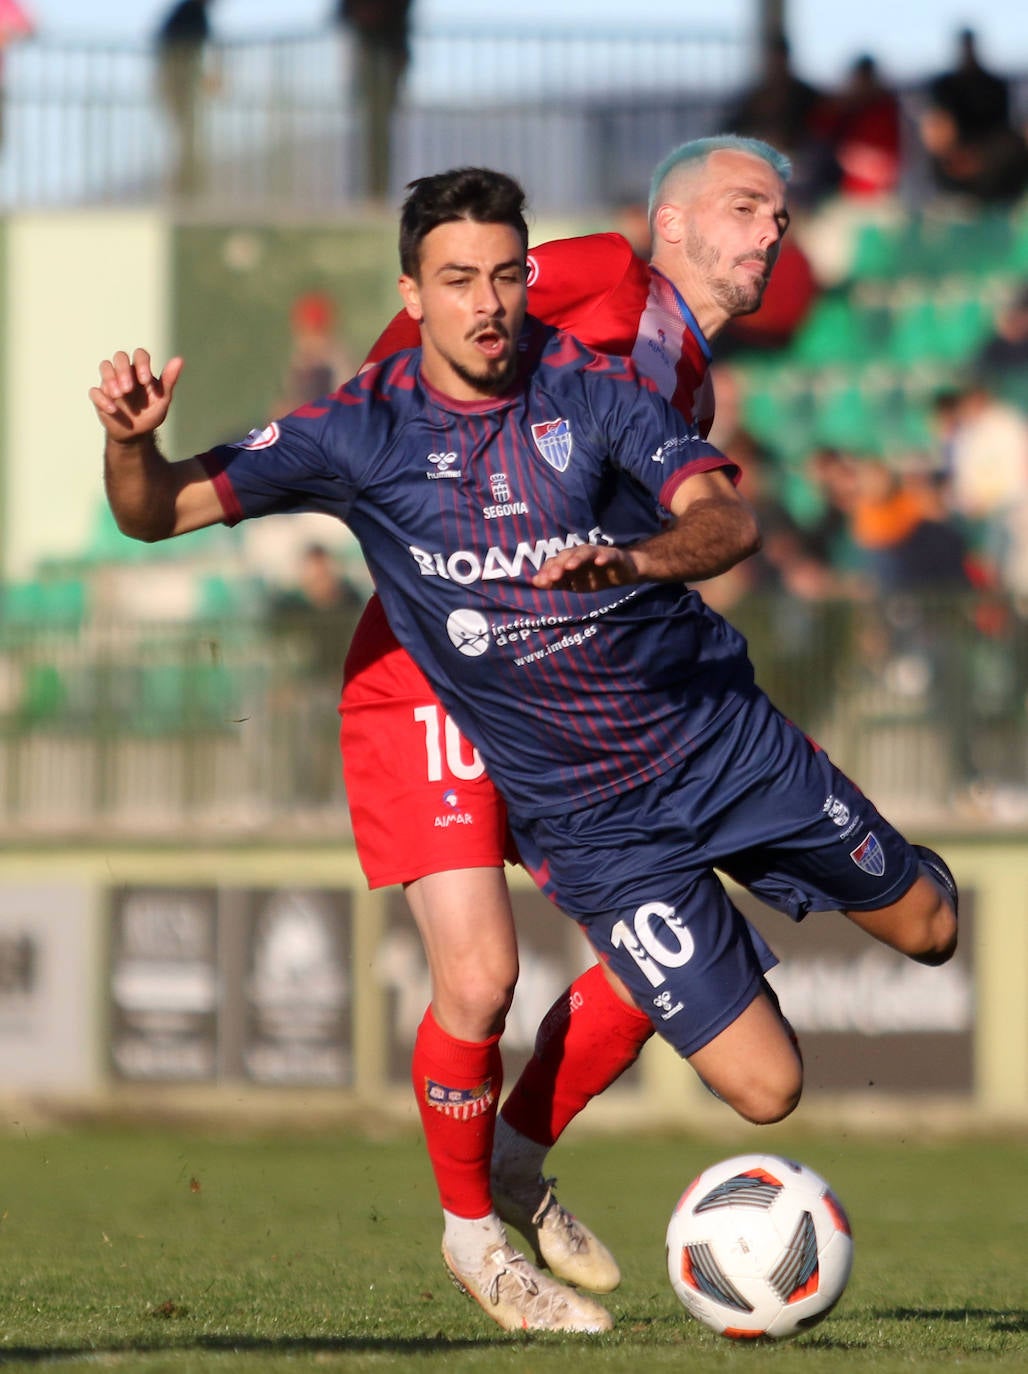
(875, 253)
(845, 419)
(834, 332)
(43, 602)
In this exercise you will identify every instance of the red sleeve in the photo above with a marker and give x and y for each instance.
(401, 332)
(595, 287)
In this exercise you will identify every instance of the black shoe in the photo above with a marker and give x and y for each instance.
(939, 870)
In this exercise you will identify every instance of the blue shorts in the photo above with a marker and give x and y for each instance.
(761, 803)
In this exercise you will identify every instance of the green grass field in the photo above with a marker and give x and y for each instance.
(153, 1251)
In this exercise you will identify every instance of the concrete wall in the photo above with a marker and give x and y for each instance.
(77, 285)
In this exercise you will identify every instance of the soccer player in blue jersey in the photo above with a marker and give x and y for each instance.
(616, 712)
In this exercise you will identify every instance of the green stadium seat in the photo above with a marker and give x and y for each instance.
(1017, 255)
(961, 326)
(846, 419)
(914, 333)
(834, 332)
(41, 603)
(875, 253)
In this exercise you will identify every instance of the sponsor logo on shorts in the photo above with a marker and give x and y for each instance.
(454, 816)
(665, 1007)
(462, 1103)
(869, 855)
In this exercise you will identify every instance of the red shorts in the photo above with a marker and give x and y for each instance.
(419, 798)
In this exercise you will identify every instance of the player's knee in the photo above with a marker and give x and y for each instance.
(768, 1094)
(768, 1101)
(475, 1007)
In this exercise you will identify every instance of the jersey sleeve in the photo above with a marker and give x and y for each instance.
(594, 287)
(294, 464)
(647, 437)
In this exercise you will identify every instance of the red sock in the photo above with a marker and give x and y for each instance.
(457, 1084)
(587, 1039)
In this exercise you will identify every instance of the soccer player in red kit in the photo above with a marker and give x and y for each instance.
(424, 812)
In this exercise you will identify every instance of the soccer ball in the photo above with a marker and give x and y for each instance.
(759, 1246)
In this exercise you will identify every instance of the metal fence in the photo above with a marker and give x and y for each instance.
(228, 727)
(581, 114)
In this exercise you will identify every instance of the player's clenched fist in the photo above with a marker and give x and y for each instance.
(130, 400)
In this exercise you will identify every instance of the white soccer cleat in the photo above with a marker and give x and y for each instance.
(519, 1298)
(561, 1242)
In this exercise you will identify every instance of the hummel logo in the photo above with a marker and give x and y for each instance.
(442, 461)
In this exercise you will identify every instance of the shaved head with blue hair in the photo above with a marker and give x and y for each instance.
(689, 157)
(717, 215)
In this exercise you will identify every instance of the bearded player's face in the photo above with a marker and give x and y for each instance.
(469, 298)
(734, 228)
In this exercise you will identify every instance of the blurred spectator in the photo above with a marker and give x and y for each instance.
(783, 597)
(792, 115)
(182, 41)
(1005, 352)
(901, 523)
(318, 586)
(312, 620)
(786, 562)
(912, 631)
(965, 127)
(984, 444)
(977, 100)
(318, 361)
(835, 479)
(866, 132)
(381, 34)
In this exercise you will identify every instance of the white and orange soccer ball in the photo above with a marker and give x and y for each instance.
(759, 1246)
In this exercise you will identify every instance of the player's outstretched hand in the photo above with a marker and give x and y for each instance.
(587, 568)
(131, 402)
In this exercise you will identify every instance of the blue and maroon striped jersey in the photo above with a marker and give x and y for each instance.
(570, 697)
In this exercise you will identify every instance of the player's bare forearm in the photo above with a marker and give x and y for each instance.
(141, 488)
(708, 538)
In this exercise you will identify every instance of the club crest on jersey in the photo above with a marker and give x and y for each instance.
(260, 438)
(553, 440)
(869, 855)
